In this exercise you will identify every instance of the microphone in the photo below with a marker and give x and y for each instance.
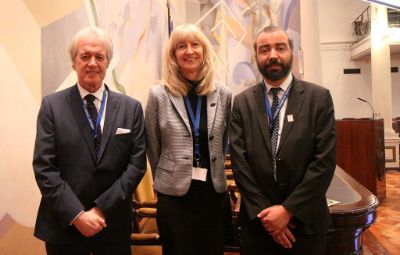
(365, 101)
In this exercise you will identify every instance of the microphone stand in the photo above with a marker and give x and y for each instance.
(365, 101)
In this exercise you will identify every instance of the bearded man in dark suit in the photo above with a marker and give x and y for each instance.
(283, 146)
(89, 157)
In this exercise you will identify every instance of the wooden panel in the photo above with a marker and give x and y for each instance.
(360, 152)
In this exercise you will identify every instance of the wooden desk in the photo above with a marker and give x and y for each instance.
(355, 213)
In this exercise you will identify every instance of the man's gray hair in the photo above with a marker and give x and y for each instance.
(87, 33)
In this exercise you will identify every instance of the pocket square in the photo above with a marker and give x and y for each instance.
(121, 131)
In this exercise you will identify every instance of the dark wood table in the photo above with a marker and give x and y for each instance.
(355, 213)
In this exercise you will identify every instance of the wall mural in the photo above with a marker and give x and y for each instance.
(139, 30)
(231, 26)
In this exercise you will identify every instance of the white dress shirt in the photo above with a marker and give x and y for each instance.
(98, 94)
(284, 87)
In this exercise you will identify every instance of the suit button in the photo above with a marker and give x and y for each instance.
(211, 137)
(212, 105)
(214, 159)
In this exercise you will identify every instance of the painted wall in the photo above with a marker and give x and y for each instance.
(336, 37)
(33, 63)
(231, 27)
(396, 87)
(19, 101)
(34, 35)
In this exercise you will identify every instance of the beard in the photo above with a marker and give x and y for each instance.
(275, 75)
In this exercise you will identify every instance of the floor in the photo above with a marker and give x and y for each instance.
(382, 238)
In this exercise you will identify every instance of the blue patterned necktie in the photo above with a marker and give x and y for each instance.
(96, 132)
(275, 122)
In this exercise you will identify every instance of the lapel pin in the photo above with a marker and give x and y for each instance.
(290, 118)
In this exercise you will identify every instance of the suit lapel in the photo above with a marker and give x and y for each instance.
(261, 113)
(112, 109)
(76, 105)
(294, 104)
(212, 104)
(179, 105)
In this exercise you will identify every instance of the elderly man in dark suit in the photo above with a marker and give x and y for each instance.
(89, 157)
(283, 139)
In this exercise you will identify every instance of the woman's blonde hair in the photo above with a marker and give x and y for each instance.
(173, 79)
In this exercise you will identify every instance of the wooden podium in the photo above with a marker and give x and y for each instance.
(361, 152)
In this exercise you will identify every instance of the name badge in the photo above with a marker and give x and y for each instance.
(199, 174)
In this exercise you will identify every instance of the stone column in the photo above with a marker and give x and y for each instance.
(380, 66)
(382, 82)
(310, 43)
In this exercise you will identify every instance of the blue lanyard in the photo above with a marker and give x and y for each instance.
(196, 123)
(96, 126)
(280, 105)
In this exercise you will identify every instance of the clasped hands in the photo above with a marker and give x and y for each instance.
(90, 222)
(275, 220)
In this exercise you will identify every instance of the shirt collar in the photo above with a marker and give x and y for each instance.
(284, 85)
(98, 93)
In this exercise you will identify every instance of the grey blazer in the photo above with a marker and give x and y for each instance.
(170, 144)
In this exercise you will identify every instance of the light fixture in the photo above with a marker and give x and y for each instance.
(388, 3)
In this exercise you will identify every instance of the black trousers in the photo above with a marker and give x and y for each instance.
(194, 224)
(257, 241)
(88, 247)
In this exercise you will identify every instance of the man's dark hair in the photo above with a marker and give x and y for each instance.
(271, 29)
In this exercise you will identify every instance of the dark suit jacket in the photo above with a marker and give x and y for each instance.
(306, 155)
(68, 174)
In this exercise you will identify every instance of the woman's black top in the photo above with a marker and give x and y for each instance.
(203, 130)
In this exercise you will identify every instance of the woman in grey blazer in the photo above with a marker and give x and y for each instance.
(186, 128)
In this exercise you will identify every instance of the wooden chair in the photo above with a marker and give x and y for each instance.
(144, 225)
(144, 196)
(233, 245)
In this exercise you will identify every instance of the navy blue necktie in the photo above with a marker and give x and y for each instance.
(96, 132)
(275, 122)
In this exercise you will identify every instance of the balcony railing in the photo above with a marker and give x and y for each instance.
(362, 25)
(393, 18)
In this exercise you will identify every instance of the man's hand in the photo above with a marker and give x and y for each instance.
(275, 219)
(90, 222)
(284, 238)
(99, 213)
